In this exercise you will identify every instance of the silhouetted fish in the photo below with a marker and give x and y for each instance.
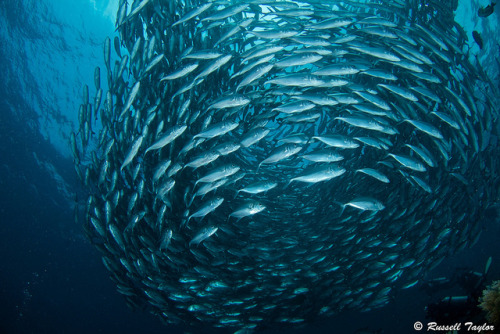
(486, 11)
(477, 39)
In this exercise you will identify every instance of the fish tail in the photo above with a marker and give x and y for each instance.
(342, 207)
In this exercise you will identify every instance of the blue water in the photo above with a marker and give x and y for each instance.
(51, 277)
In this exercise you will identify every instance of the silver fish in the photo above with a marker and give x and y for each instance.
(319, 174)
(207, 207)
(167, 138)
(366, 204)
(219, 173)
(283, 152)
(248, 209)
(258, 187)
(217, 130)
(204, 234)
(132, 152)
(182, 72)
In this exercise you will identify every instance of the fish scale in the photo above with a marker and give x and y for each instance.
(224, 89)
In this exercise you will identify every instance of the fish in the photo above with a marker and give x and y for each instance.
(316, 99)
(376, 52)
(381, 74)
(338, 141)
(403, 92)
(478, 39)
(374, 173)
(280, 153)
(248, 209)
(256, 74)
(203, 159)
(232, 101)
(206, 208)
(206, 188)
(218, 173)
(227, 148)
(486, 11)
(319, 174)
(137, 9)
(409, 162)
(217, 130)
(160, 170)
(274, 33)
(295, 107)
(337, 69)
(305, 80)
(448, 119)
(258, 187)
(192, 14)
(226, 12)
(167, 138)
(426, 128)
(254, 136)
(325, 155)
(107, 53)
(374, 99)
(258, 165)
(367, 123)
(331, 23)
(131, 98)
(214, 66)
(155, 61)
(298, 60)
(423, 153)
(182, 72)
(165, 241)
(366, 204)
(134, 149)
(203, 234)
(203, 54)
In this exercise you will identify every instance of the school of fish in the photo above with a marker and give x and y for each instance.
(253, 164)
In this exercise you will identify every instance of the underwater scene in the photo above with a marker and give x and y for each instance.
(244, 166)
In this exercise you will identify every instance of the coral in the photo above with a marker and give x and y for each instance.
(490, 303)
